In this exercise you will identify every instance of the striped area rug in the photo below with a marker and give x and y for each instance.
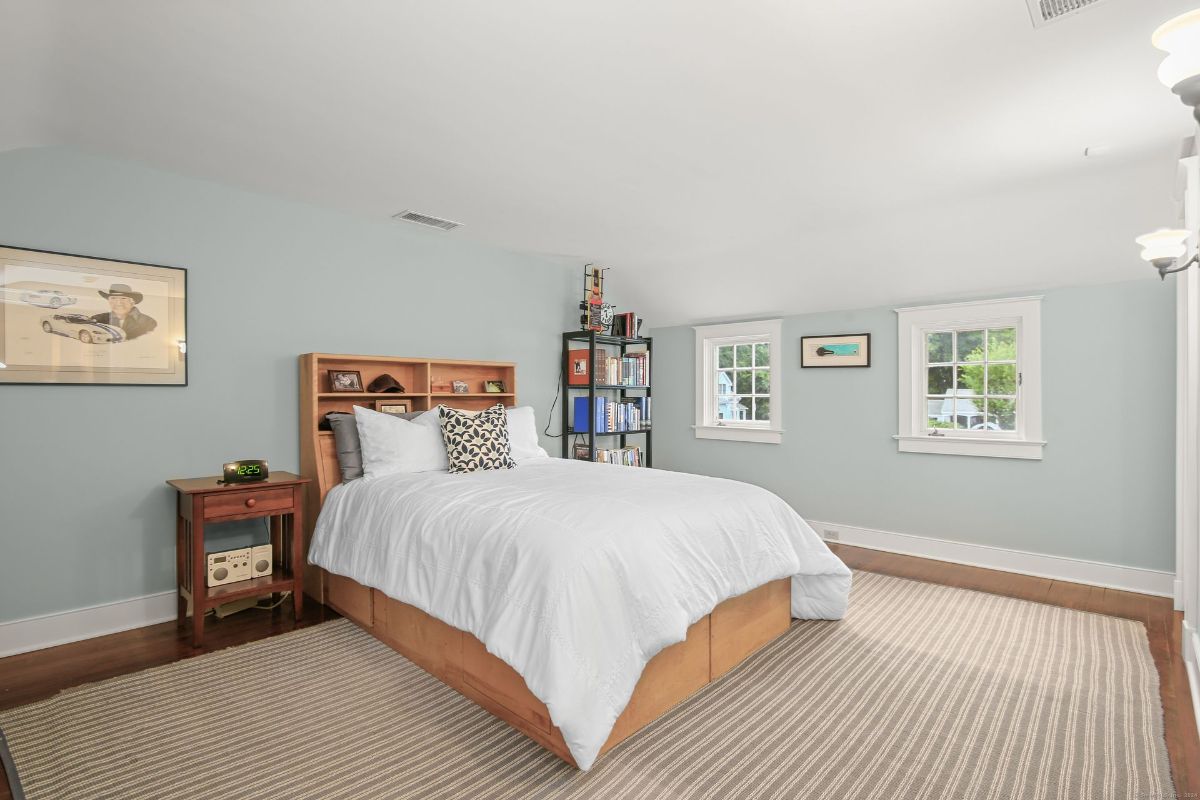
(923, 691)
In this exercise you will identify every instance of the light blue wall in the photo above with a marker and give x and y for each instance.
(1104, 492)
(84, 515)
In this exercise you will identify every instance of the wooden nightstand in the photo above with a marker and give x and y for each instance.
(204, 500)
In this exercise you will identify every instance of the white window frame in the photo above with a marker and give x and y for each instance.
(708, 339)
(1023, 313)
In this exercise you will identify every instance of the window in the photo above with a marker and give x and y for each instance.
(738, 392)
(970, 379)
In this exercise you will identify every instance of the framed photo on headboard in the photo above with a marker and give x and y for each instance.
(79, 320)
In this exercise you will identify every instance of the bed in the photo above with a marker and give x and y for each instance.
(575, 601)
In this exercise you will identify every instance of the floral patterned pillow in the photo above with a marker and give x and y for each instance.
(476, 441)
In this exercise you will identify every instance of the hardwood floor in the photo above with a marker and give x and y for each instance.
(33, 676)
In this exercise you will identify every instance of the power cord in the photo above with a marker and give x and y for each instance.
(550, 416)
(282, 598)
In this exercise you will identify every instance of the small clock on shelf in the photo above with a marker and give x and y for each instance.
(246, 470)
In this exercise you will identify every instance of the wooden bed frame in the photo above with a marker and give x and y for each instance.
(715, 644)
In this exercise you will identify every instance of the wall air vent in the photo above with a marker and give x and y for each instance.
(1044, 12)
(425, 219)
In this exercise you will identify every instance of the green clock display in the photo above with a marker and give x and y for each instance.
(247, 470)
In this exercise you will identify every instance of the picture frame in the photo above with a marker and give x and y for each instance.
(392, 406)
(74, 319)
(345, 380)
(495, 387)
(459, 387)
(841, 350)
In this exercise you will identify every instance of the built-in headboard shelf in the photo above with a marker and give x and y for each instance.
(427, 383)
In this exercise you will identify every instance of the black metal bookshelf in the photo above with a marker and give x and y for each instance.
(569, 434)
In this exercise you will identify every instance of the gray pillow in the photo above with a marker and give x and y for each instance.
(347, 444)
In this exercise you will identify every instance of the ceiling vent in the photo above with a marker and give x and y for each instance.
(425, 219)
(1044, 12)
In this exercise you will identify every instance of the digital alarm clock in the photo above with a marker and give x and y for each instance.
(247, 470)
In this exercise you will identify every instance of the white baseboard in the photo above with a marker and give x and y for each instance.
(1178, 595)
(1096, 573)
(35, 633)
(1191, 659)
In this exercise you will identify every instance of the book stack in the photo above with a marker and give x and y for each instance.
(611, 416)
(628, 324)
(629, 370)
(629, 456)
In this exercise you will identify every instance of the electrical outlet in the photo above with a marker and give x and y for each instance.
(831, 535)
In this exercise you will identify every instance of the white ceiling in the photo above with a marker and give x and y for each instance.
(724, 159)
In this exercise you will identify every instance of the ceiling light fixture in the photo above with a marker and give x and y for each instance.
(1164, 248)
(1180, 70)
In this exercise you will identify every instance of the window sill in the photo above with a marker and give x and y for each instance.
(963, 446)
(737, 434)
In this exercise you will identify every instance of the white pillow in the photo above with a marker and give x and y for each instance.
(523, 435)
(391, 444)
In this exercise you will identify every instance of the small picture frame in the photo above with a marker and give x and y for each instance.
(848, 350)
(460, 387)
(345, 380)
(495, 387)
(392, 406)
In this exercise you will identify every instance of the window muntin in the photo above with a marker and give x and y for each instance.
(971, 380)
(742, 383)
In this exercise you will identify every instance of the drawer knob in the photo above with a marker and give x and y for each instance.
(251, 503)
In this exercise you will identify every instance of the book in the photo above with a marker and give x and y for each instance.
(610, 416)
(578, 369)
(629, 456)
(627, 324)
(581, 417)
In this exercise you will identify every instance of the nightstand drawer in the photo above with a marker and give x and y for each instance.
(254, 501)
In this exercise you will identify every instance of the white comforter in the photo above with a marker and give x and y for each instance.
(575, 574)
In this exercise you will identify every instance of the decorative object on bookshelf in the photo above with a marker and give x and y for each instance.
(440, 388)
(849, 350)
(391, 406)
(498, 387)
(597, 315)
(345, 380)
(460, 387)
(385, 383)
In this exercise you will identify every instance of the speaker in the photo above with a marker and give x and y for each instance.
(260, 561)
(228, 567)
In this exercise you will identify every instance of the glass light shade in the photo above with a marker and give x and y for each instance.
(1163, 243)
(1180, 38)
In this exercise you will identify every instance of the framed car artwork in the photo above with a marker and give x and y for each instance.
(82, 320)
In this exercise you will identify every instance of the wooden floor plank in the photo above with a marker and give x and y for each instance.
(33, 676)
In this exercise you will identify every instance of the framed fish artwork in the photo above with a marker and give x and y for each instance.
(847, 350)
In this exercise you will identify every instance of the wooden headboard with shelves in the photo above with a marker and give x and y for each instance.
(427, 383)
